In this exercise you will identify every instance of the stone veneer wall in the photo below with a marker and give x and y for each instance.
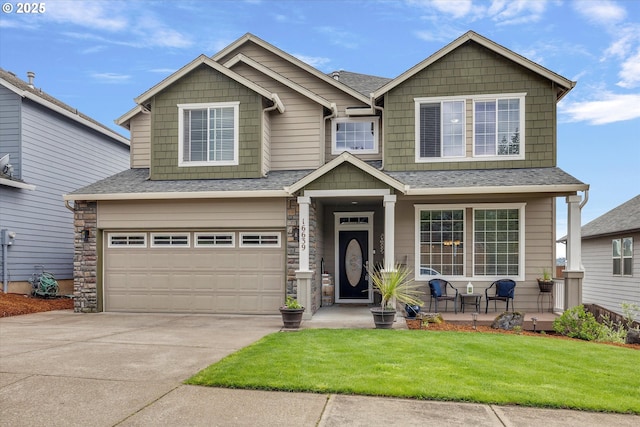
(293, 253)
(85, 258)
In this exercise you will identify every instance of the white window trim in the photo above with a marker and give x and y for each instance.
(196, 244)
(261, 245)
(471, 243)
(376, 124)
(236, 133)
(472, 99)
(417, 103)
(521, 154)
(417, 209)
(128, 246)
(521, 238)
(171, 245)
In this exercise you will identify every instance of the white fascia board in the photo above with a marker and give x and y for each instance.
(75, 117)
(277, 77)
(359, 111)
(124, 119)
(202, 59)
(177, 195)
(560, 189)
(292, 59)
(17, 184)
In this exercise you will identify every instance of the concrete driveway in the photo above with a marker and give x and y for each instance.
(107, 369)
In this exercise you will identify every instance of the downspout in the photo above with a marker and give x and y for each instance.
(334, 114)
(586, 199)
(277, 105)
(68, 206)
(5, 277)
(376, 108)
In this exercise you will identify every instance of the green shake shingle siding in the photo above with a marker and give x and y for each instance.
(346, 177)
(471, 70)
(204, 85)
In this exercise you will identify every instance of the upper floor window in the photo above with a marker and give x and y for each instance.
(497, 124)
(441, 130)
(622, 255)
(356, 135)
(470, 127)
(208, 134)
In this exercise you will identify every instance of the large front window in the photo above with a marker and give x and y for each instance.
(496, 242)
(441, 247)
(208, 134)
(490, 235)
(356, 135)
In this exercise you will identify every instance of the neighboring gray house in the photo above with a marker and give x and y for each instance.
(47, 149)
(610, 257)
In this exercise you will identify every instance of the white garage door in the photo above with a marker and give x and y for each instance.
(194, 272)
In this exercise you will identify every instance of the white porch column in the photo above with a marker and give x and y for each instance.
(303, 274)
(574, 234)
(574, 273)
(303, 233)
(389, 231)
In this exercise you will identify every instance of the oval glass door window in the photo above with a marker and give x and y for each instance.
(353, 262)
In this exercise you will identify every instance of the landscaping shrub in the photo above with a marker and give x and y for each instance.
(577, 323)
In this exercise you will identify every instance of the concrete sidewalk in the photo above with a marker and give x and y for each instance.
(107, 369)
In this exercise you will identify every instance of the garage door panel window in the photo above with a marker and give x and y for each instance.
(128, 240)
(213, 240)
(170, 240)
(264, 240)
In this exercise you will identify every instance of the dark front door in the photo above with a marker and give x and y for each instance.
(353, 260)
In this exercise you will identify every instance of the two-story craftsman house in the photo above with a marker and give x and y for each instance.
(253, 172)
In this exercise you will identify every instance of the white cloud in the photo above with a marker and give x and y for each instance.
(610, 108)
(630, 72)
(600, 12)
(111, 77)
(339, 37)
(316, 62)
(515, 12)
(455, 8)
(87, 14)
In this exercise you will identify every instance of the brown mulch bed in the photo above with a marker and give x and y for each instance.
(16, 304)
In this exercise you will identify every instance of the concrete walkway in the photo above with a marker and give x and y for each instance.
(65, 369)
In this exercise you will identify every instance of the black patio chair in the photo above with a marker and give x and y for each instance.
(504, 291)
(438, 291)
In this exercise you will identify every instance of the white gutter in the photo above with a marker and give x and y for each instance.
(567, 188)
(376, 108)
(177, 195)
(17, 184)
(334, 114)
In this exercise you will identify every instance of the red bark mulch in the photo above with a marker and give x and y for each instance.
(16, 304)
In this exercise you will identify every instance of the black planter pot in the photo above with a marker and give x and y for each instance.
(411, 310)
(383, 318)
(291, 317)
(545, 285)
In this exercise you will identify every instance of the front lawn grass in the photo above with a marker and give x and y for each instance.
(470, 367)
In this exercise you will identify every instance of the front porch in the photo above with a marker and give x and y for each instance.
(340, 316)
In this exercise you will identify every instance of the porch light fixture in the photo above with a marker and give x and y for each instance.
(296, 233)
(85, 234)
(534, 320)
(474, 316)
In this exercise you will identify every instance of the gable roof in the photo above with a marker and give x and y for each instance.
(279, 78)
(200, 60)
(564, 85)
(348, 158)
(248, 37)
(24, 90)
(622, 219)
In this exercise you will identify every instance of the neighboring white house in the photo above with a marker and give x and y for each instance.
(610, 257)
(47, 149)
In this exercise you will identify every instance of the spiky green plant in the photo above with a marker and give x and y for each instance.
(397, 285)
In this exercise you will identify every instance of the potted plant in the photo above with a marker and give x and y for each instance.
(393, 286)
(546, 282)
(291, 313)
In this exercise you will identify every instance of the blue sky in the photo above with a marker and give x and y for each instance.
(98, 55)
